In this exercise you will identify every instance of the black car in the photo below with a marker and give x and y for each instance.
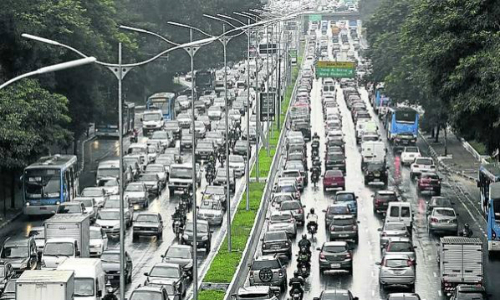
(276, 242)
(204, 149)
(376, 172)
(174, 127)
(111, 266)
(204, 235)
(335, 161)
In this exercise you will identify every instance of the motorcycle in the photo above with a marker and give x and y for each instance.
(178, 227)
(296, 294)
(135, 136)
(209, 176)
(312, 228)
(304, 269)
(315, 178)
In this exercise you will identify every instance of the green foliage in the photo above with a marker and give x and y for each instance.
(211, 295)
(31, 120)
(442, 55)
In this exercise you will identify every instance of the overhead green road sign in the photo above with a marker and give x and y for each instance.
(335, 69)
(314, 18)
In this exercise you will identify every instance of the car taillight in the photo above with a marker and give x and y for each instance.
(409, 263)
(348, 255)
(264, 246)
(300, 179)
(378, 201)
(287, 244)
(321, 255)
(251, 273)
(434, 220)
(354, 227)
(433, 167)
(332, 228)
(281, 273)
(300, 210)
(493, 234)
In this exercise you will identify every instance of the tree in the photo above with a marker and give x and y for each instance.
(31, 121)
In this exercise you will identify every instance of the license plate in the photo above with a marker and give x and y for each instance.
(376, 180)
(335, 266)
(43, 208)
(277, 247)
(343, 235)
(398, 272)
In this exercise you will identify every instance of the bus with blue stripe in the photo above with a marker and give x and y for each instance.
(380, 101)
(50, 181)
(489, 186)
(165, 102)
(401, 124)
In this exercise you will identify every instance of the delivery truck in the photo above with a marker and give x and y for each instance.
(45, 285)
(460, 262)
(70, 226)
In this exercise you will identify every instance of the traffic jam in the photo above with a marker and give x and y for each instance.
(339, 223)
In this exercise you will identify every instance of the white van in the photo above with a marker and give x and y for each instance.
(57, 250)
(152, 120)
(400, 212)
(140, 149)
(90, 279)
(373, 152)
(111, 169)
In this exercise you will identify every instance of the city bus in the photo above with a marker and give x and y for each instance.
(489, 186)
(204, 80)
(380, 101)
(107, 125)
(401, 124)
(165, 102)
(50, 181)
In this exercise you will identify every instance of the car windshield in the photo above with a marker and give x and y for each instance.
(275, 236)
(134, 188)
(396, 263)
(471, 296)
(147, 218)
(286, 189)
(148, 177)
(236, 158)
(84, 287)
(58, 249)
(343, 222)
(92, 193)
(108, 215)
(146, 295)
(430, 176)
(333, 174)
(337, 209)
(423, 161)
(41, 183)
(164, 271)
(178, 172)
(444, 212)
(86, 202)
(69, 209)
(400, 247)
(334, 248)
(335, 296)
(271, 264)
(111, 203)
(387, 196)
(441, 202)
(290, 205)
(10, 287)
(280, 217)
(375, 167)
(344, 197)
(210, 205)
(110, 257)
(175, 252)
(107, 172)
(154, 169)
(151, 117)
(95, 234)
(15, 251)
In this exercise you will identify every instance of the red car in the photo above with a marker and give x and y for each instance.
(429, 182)
(333, 179)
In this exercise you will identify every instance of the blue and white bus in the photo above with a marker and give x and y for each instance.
(165, 102)
(50, 181)
(380, 101)
(489, 186)
(401, 124)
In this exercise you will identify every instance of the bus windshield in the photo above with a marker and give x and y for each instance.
(42, 183)
(161, 104)
(406, 116)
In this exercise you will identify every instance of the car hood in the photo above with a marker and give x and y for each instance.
(16, 262)
(113, 223)
(184, 262)
(110, 266)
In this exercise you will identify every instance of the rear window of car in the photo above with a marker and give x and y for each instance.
(423, 161)
(387, 196)
(396, 263)
(272, 264)
(333, 173)
(344, 197)
(441, 202)
(411, 149)
(430, 176)
(334, 249)
(275, 236)
(444, 212)
(338, 210)
(400, 247)
(290, 205)
(394, 226)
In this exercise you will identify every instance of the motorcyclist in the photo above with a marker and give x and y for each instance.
(186, 196)
(466, 232)
(296, 283)
(305, 245)
(110, 295)
(315, 137)
(179, 215)
(312, 219)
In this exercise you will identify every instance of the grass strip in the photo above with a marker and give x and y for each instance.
(225, 263)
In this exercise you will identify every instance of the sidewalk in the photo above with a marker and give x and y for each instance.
(458, 161)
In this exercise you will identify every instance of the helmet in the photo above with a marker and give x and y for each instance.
(312, 210)
(304, 236)
(295, 273)
(466, 226)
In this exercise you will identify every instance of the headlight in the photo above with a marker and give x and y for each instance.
(204, 238)
(27, 204)
(57, 202)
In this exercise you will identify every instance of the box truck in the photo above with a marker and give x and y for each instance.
(45, 285)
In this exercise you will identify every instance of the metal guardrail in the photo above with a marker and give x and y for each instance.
(253, 240)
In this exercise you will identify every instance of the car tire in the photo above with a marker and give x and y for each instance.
(208, 248)
(135, 237)
(159, 236)
(438, 192)
(129, 278)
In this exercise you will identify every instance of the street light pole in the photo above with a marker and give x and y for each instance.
(249, 149)
(268, 88)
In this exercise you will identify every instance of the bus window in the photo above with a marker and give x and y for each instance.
(496, 209)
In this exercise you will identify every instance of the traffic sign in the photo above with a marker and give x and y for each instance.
(267, 106)
(292, 53)
(336, 69)
(313, 18)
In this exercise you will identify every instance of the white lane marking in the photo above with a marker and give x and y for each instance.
(439, 293)
(434, 273)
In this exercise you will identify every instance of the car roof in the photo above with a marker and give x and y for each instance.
(335, 243)
(166, 264)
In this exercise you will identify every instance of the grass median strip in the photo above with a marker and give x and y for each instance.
(225, 263)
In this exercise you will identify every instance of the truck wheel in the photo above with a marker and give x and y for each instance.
(170, 193)
(135, 237)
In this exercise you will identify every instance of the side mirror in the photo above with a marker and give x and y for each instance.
(77, 252)
(358, 222)
(378, 263)
(318, 248)
(146, 274)
(141, 119)
(379, 229)
(162, 256)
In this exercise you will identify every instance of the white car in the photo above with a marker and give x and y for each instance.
(334, 134)
(98, 241)
(409, 155)
(110, 185)
(237, 163)
(282, 221)
(98, 193)
(421, 165)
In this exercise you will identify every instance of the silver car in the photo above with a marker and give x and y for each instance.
(397, 270)
(400, 246)
(237, 163)
(392, 230)
(282, 220)
(444, 220)
(211, 211)
(296, 208)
